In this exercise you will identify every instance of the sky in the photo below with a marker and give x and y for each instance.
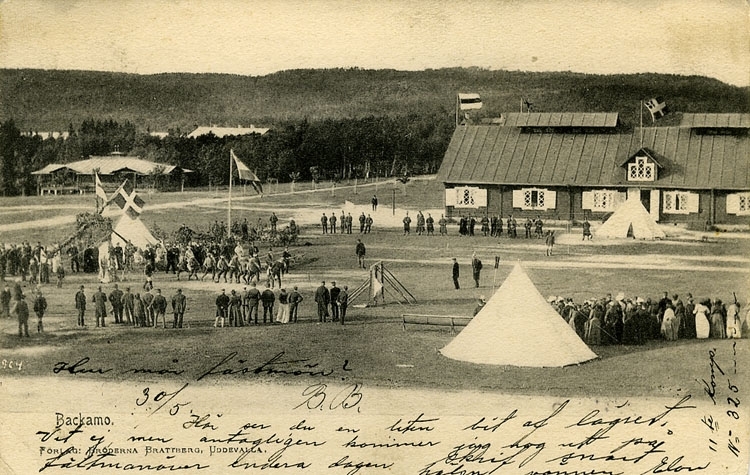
(706, 37)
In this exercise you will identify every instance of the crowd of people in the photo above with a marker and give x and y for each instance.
(635, 320)
(33, 264)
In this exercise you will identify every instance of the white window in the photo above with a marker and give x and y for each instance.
(602, 200)
(739, 204)
(534, 198)
(641, 170)
(680, 202)
(466, 197)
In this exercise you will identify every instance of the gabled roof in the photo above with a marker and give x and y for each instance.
(729, 120)
(111, 164)
(643, 151)
(226, 131)
(558, 119)
(486, 154)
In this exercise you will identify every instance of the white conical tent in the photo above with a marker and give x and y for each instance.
(631, 213)
(133, 230)
(517, 327)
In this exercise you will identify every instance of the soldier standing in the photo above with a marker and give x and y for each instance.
(443, 223)
(115, 299)
(128, 307)
(100, 307)
(179, 305)
(324, 223)
(455, 274)
(80, 300)
(368, 224)
(374, 202)
(273, 220)
(343, 303)
(430, 225)
(322, 298)
(148, 299)
(349, 221)
(222, 302)
(40, 306)
(159, 306)
(407, 224)
(332, 222)
(21, 309)
(253, 298)
(268, 298)
(476, 268)
(5, 301)
(362, 221)
(360, 250)
(295, 298)
(334, 299)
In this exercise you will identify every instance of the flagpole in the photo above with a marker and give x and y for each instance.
(229, 210)
(641, 119)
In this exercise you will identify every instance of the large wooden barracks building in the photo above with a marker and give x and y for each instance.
(571, 166)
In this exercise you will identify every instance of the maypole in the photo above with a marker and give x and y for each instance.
(229, 209)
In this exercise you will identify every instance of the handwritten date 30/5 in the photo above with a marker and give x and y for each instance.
(317, 397)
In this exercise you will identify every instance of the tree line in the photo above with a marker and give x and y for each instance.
(294, 150)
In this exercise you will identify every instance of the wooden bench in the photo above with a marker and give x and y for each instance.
(451, 321)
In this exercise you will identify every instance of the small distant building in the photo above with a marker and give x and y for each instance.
(227, 131)
(78, 177)
(160, 135)
(571, 166)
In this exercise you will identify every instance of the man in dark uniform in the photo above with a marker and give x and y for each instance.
(407, 224)
(148, 299)
(360, 251)
(253, 298)
(5, 302)
(21, 309)
(80, 300)
(349, 221)
(430, 225)
(295, 298)
(343, 303)
(273, 220)
(40, 306)
(128, 307)
(362, 221)
(368, 224)
(179, 305)
(222, 303)
(159, 306)
(455, 274)
(324, 223)
(334, 296)
(374, 202)
(268, 298)
(332, 222)
(115, 299)
(476, 268)
(75, 264)
(485, 225)
(100, 307)
(322, 298)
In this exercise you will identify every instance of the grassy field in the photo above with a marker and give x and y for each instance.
(378, 350)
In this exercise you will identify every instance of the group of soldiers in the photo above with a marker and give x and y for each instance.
(493, 226)
(240, 309)
(425, 225)
(343, 224)
(633, 321)
(135, 309)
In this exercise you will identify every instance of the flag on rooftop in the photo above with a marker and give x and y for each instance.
(246, 174)
(657, 107)
(128, 200)
(468, 101)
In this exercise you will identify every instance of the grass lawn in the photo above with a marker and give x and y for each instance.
(378, 350)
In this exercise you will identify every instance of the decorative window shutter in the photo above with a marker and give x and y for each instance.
(450, 197)
(654, 211)
(733, 203)
(587, 200)
(518, 199)
(550, 199)
(480, 197)
(693, 205)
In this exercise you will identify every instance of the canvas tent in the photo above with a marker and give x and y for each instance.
(133, 230)
(517, 327)
(630, 217)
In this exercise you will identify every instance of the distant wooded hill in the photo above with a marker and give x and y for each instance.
(49, 100)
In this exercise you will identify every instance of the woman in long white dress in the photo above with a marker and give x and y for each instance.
(702, 325)
(734, 321)
(283, 313)
(670, 324)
